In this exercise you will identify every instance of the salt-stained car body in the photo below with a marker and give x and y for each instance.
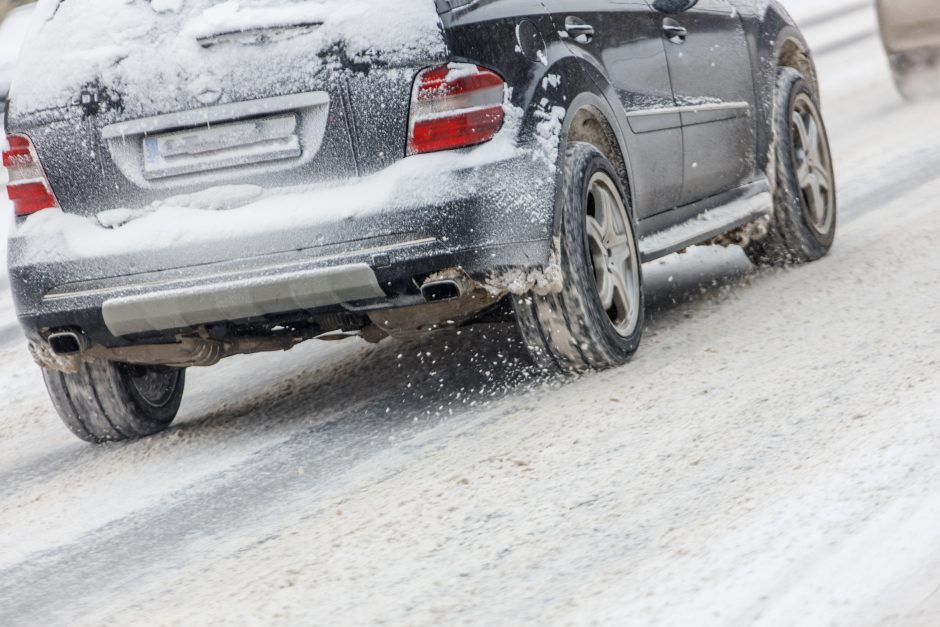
(206, 178)
(910, 30)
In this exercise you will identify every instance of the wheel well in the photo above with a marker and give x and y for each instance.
(793, 55)
(589, 125)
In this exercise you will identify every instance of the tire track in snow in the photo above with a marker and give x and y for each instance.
(256, 489)
(904, 173)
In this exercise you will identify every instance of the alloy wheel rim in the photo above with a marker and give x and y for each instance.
(155, 387)
(813, 164)
(612, 249)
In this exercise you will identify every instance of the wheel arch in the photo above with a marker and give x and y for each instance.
(590, 120)
(589, 124)
(776, 43)
(780, 40)
(585, 94)
(792, 52)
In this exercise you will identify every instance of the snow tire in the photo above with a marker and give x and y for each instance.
(571, 332)
(798, 232)
(110, 402)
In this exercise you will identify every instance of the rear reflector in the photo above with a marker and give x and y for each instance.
(28, 187)
(455, 106)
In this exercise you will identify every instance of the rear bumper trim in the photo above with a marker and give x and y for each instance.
(188, 307)
(132, 283)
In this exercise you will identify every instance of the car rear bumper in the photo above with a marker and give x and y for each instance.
(292, 290)
(371, 261)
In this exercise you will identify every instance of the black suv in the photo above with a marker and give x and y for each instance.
(195, 179)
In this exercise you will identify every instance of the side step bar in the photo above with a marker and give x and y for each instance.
(706, 226)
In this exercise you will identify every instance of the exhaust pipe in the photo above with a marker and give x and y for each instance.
(451, 299)
(67, 343)
(443, 290)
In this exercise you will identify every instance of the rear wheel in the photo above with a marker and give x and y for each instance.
(107, 401)
(803, 225)
(596, 321)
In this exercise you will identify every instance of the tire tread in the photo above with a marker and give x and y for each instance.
(97, 406)
(565, 332)
(789, 239)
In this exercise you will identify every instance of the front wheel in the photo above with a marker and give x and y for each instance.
(106, 401)
(596, 321)
(803, 225)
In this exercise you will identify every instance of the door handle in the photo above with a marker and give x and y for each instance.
(578, 29)
(674, 31)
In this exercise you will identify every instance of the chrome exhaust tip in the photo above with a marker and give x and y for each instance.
(65, 343)
(441, 291)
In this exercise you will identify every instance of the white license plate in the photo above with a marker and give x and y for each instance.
(215, 147)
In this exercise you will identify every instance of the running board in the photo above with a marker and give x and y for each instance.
(705, 226)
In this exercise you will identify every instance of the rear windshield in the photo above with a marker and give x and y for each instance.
(137, 46)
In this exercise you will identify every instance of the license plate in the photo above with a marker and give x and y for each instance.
(215, 147)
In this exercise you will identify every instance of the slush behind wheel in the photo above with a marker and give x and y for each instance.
(596, 321)
(106, 401)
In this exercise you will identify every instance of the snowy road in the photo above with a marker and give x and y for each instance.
(771, 457)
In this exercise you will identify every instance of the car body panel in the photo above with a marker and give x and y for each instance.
(627, 51)
(774, 41)
(712, 78)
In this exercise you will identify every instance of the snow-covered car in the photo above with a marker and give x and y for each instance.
(195, 179)
(12, 34)
(910, 30)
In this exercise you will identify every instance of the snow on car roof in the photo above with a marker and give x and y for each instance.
(147, 49)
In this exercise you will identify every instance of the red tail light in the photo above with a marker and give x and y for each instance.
(28, 187)
(455, 106)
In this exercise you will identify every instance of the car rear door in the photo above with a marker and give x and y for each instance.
(627, 48)
(713, 82)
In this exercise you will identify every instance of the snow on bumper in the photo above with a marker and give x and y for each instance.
(486, 210)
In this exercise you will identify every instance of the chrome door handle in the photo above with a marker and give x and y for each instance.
(674, 31)
(578, 29)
